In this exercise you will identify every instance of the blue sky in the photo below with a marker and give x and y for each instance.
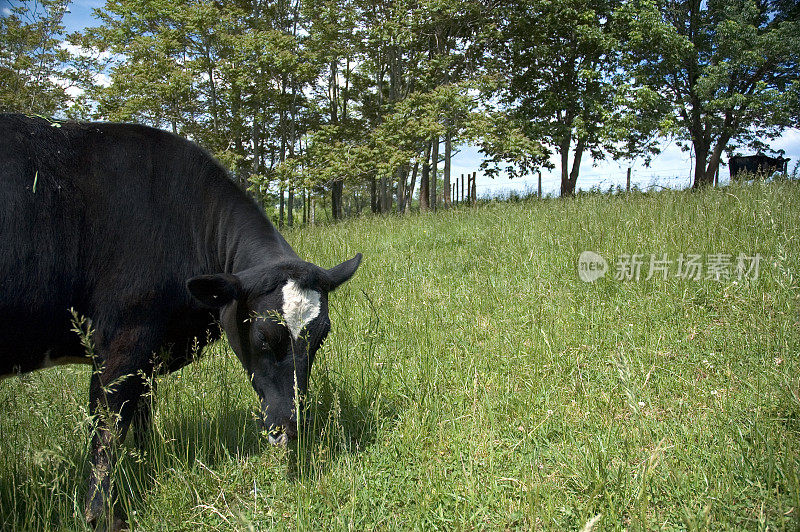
(672, 168)
(80, 15)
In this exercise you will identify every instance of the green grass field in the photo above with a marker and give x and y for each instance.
(472, 381)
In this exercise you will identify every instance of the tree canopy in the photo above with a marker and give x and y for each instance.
(33, 73)
(357, 104)
(556, 61)
(723, 73)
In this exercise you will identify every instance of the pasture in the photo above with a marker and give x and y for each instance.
(473, 381)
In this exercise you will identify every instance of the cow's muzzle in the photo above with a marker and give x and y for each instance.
(281, 435)
(279, 440)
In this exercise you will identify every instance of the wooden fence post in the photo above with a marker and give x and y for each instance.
(539, 191)
(628, 181)
(474, 188)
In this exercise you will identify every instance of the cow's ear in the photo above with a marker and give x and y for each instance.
(343, 272)
(215, 291)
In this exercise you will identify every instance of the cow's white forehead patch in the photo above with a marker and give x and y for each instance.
(300, 306)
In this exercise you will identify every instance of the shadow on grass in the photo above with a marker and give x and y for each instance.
(230, 433)
(341, 421)
(344, 418)
(180, 443)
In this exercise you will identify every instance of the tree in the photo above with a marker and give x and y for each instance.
(333, 42)
(725, 72)
(158, 67)
(228, 74)
(555, 62)
(32, 60)
(447, 31)
(507, 149)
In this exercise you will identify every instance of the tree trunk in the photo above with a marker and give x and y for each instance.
(702, 177)
(564, 152)
(448, 147)
(576, 165)
(280, 209)
(333, 91)
(238, 142)
(434, 171)
(213, 88)
(290, 216)
(569, 178)
(410, 192)
(383, 192)
(716, 156)
(336, 199)
(373, 194)
(282, 156)
(424, 183)
(402, 187)
(256, 166)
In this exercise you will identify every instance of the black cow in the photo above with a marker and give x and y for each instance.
(144, 234)
(756, 165)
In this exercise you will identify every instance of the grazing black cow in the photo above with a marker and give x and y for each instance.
(756, 165)
(144, 234)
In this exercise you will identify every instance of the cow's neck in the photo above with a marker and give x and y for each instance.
(242, 236)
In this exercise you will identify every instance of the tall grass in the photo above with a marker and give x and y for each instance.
(473, 381)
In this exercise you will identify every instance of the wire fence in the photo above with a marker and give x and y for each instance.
(669, 178)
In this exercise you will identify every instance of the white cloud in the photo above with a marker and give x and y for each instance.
(789, 142)
(101, 79)
(104, 80)
(84, 52)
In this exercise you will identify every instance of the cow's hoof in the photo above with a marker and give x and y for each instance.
(103, 524)
(118, 524)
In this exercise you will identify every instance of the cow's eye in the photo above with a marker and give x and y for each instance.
(260, 336)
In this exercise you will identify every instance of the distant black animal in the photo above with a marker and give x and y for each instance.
(756, 165)
(144, 234)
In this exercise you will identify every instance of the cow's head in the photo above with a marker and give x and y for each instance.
(276, 318)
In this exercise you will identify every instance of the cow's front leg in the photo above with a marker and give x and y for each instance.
(117, 386)
(143, 415)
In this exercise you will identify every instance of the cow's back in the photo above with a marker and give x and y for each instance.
(88, 221)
